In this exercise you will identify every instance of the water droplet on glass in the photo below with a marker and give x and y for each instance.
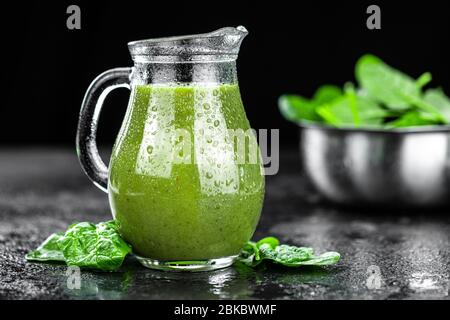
(149, 149)
(209, 175)
(229, 182)
(216, 123)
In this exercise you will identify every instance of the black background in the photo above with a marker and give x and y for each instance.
(293, 47)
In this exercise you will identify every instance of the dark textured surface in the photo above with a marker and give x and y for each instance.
(44, 190)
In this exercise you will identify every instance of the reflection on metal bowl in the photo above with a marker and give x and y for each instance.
(401, 167)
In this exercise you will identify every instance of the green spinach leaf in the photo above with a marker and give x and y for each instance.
(94, 246)
(48, 251)
(412, 119)
(251, 254)
(271, 241)
(352, 110)
(297, 108)
(324, 259)
(438, 99)
(396, 90)
(385, 84)
(269, 249)
(85, 245)
(325, 94)
(287, 255)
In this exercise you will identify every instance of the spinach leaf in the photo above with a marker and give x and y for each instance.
(250, 254)
(396, 90)
(349, 90)
(269, 249)
(287, 255)
(352, 110)
(385, 84)
(324, 259)
(325, 94)
(423, 80)
(412, 119)
(94, 246)
(48, 250)
(271, 241)
(438, 99)
(85, 245)
(296, 108)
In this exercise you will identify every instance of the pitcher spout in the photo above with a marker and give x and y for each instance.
(221, 44)
(229, 39)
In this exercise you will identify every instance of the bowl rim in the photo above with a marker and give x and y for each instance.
(406, 130)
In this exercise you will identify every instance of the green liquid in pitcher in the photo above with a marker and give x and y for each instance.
(178, 203)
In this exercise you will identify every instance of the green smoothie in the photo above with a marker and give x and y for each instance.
(177, 188)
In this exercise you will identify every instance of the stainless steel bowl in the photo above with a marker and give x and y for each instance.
(402, 167)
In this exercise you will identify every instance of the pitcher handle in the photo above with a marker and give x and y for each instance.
(92, 104)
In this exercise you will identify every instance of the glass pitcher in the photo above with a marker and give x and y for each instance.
(184, 183)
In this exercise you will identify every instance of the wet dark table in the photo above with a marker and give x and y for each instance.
(385, 255)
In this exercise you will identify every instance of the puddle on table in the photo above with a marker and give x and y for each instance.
(238, 282)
